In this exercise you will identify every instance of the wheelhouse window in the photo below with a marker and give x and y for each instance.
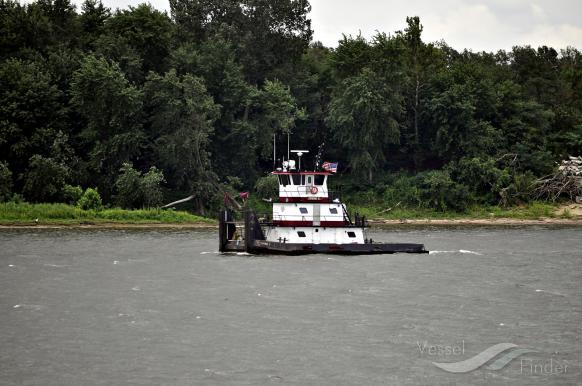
(284, 180)
(301, 234)
(352, 234)
(303, 210)
(309, 180)
(296, 179)
(319, 179)
(333, 210)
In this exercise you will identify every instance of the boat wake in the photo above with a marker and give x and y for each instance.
(458, 251)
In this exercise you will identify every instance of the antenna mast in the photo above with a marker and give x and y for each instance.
(300, 153)
(288, 154)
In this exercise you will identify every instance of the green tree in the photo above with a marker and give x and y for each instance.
(268, 34)
(5, 182)
(112, 109)
(422, 61)
(90, 200)
(151, 187)
(276, 111)
(31, 111)
(128, 186)
(135, 190)
(483, 178)
(92, 20)
(146, 31)
(364, 117)
(181, 118)
(439, 191)
(267, 187)
(44, 179)
(352, 55)
(215, 61)
(72, 194)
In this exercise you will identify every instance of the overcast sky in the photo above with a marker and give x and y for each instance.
(478, 25)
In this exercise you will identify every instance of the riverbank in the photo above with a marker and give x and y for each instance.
(501, 222)
(49, 216)
(63, 215)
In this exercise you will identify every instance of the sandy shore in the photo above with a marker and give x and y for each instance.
(492, 222)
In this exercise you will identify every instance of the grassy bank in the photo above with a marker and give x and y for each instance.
(63, 214)
(531, 211)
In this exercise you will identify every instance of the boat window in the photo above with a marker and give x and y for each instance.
(296, 179)
(284, 180)
(301, 234)
(319, 180)
(352, 234)
(309, 180)
(333, 210)
(303, 210)
(302, 180)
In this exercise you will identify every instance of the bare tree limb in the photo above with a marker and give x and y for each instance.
(189, 198)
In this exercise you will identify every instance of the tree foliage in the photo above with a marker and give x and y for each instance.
(90, 200)
(364, 119)
(135, 190)
(5, 182)
(192, 101)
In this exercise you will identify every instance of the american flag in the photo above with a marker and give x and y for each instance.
(330, 166)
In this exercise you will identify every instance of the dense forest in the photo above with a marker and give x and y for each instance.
(147, 107)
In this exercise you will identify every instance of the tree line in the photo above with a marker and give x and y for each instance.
(146, 107)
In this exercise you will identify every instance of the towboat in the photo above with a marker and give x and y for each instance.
(307, 218)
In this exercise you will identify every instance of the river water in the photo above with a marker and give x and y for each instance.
(151, 307)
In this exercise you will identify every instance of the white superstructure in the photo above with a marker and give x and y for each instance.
(305, 212)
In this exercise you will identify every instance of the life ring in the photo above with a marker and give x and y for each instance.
(313, 190)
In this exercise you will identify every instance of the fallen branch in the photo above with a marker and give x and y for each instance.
(389, 209)
(189, 198)
(566, 181)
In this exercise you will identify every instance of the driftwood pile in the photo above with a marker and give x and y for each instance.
(566, 181)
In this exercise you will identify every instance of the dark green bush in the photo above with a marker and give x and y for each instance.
(482, 177)
(439, 191)
(150, 187)
(44, 179)
(128, 186)
(90, 200)
(5, 182)
(403, 189)
(72, 194)
(135, 190)
(519, 191)
(267, 187)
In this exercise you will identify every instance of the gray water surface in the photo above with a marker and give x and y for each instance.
(145, 307)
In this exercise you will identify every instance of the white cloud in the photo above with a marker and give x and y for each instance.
(538, 11)
(469, 26)
(477, 25)
(556, 36)
(487, 25)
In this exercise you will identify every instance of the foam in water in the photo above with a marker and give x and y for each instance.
(459, 251)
